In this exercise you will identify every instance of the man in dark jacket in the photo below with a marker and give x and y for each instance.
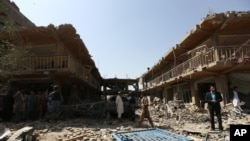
(8, 102)
(213, 98)
(55, 99)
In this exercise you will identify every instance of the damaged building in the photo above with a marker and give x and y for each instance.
(215, 52)
(126, 86)
(54, 55)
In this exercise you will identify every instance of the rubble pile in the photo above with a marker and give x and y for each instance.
(187, 120)
(89, 109)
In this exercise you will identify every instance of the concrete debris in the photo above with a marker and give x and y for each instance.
(93, 109)
(175, 116)
(3, 131)
(22, 134)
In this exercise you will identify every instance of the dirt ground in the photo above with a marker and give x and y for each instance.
(194, 125)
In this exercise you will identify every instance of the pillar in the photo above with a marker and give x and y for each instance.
(221, 82)
(195, 94)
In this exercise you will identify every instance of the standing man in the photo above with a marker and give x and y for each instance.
(236, 100)
(55, 98)
(31, 103)
(145, 111)
(8, 103)
(19, 106)
(119, 106)
(213, 98)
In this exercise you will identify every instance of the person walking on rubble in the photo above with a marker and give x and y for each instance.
(236, 100)
(119, 106)
(55, 99)
(213, 98)
(145, 112)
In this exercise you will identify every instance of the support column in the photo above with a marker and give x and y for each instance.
(221, 82)
(195, 94)
(170, 94)
(164, 93)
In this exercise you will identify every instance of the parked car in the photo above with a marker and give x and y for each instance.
(111, 105)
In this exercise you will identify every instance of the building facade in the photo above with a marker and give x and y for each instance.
(56, 56)
(215, 52)
(53, 55)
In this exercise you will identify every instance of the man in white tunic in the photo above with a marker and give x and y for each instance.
(119, 105)
(236, 99)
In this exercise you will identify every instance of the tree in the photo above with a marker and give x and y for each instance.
(12, 47)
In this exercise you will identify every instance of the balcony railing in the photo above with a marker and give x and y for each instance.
(205, 58)
(32, 64)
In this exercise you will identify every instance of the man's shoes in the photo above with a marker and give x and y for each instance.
(212, 128)
(220, 127)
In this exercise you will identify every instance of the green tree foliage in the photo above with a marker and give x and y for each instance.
(12, 48)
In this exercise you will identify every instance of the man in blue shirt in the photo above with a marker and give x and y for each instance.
(213, 98)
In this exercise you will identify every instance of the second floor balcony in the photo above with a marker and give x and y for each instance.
(216, 59)
(65, 65)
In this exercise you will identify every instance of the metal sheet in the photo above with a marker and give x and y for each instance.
(151, 134)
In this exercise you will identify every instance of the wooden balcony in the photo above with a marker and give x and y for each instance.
(223, 57)
(65, 65)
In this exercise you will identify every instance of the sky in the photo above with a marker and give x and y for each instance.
(125, 37)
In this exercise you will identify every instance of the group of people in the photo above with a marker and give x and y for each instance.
(47, 105)
(23, 105)
(20, 105)
(144, 103)
(212, 98)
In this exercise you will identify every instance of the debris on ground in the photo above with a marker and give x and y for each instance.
(183, 119)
